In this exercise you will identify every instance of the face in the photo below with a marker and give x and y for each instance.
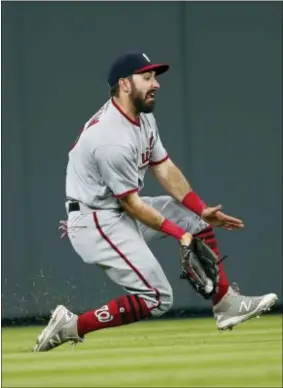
(143, 88)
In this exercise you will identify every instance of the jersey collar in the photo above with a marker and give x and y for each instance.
(135, 122)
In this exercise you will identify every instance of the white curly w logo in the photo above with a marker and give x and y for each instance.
(146, 57)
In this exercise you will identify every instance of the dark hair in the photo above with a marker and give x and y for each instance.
(114, 90)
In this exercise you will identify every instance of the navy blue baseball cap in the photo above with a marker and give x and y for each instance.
(133, 63)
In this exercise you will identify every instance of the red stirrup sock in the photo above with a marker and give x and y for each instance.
(209, 238)
(122, 311)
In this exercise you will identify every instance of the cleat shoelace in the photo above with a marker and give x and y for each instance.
(223, 258)
(76, 341)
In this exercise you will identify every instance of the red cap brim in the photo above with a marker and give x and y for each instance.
(158, 68)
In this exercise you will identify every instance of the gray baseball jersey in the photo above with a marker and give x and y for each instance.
(111, 157)
(109, 160)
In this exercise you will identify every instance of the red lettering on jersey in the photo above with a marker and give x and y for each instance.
(94, 120)
(145, 157)
(151, 141)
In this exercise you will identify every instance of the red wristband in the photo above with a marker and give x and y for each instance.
(172, 229)
(193, 202)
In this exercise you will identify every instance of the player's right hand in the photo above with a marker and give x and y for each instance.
(215, 217)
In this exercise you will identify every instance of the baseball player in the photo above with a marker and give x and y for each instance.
(109, 224)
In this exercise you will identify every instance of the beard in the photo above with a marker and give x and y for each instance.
(140, 102)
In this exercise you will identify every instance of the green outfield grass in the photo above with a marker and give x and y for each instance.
(164, 353)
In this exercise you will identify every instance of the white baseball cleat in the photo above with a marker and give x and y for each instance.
(61, 328)
(234, 308)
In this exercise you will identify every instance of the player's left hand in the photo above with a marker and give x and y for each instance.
(215, 217)
(199, 265)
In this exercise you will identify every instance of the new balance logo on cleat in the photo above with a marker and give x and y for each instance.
(244, 306)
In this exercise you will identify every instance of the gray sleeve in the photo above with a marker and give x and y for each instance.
(158, 153)
(118, 168)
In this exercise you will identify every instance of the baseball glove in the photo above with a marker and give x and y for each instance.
(199, 265)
